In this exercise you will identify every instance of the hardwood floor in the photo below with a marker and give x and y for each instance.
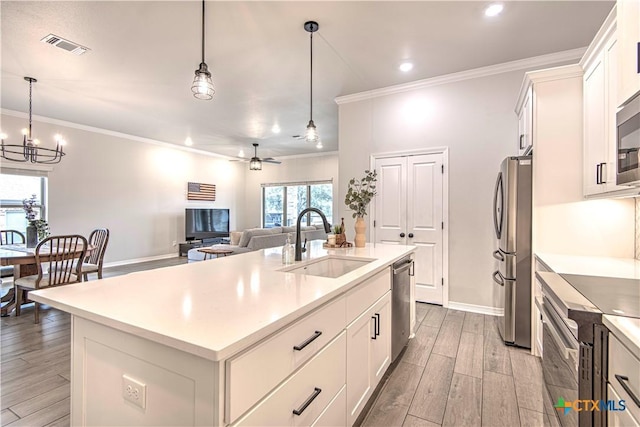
(458, 372)
(455, 372)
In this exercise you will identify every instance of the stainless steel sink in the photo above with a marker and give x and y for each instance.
(329, 267)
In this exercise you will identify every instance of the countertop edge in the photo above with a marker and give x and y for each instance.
(628, 335)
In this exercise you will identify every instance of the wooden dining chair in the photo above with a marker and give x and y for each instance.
(59, 262)
(93, 262)
(11, 237)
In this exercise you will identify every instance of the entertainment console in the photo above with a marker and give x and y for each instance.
(184, 247)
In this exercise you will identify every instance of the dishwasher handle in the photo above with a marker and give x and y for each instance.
(403, 267)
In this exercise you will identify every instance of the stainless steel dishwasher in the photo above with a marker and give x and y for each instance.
(401, 305)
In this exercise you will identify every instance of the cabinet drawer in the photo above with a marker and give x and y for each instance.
(254, 373)
(619, 418)
(623, 363)
(335, 413)
(362, 296)
(310, 390)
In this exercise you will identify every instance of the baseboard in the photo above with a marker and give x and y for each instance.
(138, 260)
(482, 309)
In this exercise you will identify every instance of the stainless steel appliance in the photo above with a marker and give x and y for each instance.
(628, 136)
(401, 305)
(575, 342)
(512, 222)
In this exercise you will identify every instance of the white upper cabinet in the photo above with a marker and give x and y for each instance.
(628, 13)
(525, 128)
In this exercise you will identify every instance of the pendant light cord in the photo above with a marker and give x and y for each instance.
(30, 84)
(311, 79)
(203, 31)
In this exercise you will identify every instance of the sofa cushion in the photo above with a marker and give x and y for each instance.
(291, 229)
(234, 237)
(250, 232)
(268, 241)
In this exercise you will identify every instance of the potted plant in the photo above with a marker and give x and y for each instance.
(360, 192)
(38, 229)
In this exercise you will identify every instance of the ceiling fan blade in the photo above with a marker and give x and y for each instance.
(271, 160)
(238, 160)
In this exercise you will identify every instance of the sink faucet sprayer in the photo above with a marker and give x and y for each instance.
(327, 228)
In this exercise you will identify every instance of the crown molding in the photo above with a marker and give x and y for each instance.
(522, 64)
(302, 156)
(107, 132)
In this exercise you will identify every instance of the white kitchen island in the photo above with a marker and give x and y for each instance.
(234, 340)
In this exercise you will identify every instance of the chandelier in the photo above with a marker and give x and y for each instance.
(202, 86)
(311, 134)
(255, 164)
(30, 149)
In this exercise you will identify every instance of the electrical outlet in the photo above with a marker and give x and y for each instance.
(134, 391)
(174, 243)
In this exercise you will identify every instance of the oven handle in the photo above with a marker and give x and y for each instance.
(567, 351)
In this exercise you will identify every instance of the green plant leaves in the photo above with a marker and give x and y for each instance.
(360, 193)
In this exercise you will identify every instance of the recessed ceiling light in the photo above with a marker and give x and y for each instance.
(494, 9)
(188, 142)
(406, 66)
(275, 129)
(319, 145)
(241, 153)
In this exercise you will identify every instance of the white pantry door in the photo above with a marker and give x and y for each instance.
(409, 211)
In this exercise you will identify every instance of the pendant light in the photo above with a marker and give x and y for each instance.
(30, 149)
(311, 134)
(202, 86)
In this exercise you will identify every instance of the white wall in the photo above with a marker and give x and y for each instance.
(136, 189)
(314, 168)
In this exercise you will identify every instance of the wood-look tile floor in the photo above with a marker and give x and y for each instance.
(458, 372)
(455, 372)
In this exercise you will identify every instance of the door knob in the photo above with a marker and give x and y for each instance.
(401, 234)
(410, 235)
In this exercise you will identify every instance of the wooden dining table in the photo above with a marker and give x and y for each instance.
(23, 260)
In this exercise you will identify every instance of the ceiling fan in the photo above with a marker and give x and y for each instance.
(255, 163)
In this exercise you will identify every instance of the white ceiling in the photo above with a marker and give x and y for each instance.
(137, 77)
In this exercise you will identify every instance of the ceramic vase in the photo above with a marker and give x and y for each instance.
(360, 227)
(32, 236)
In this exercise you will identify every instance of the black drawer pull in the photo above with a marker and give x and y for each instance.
(378, 324)
(623, 382)
(309, 340)
(300, 410)
(375, 327)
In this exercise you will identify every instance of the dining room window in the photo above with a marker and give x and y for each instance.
(13, 190)
(282, 202)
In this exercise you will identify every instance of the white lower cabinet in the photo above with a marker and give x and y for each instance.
(335, 414)
(368, 354)
(619, 418)
(302, 398)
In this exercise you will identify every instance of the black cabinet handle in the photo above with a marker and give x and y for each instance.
(378, 325)
(300, 410)
(411, 235)
(603, 173)
(308, 341)
(598, 173)
(401, 234)
(375, 327)
(412, 269)
(522, 142)
(638, 58)
(623, 382)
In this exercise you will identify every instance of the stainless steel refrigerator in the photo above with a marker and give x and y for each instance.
(512, 223)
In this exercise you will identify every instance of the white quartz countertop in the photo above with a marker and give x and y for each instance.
(626, 329)
(217, 307)
(627, 268)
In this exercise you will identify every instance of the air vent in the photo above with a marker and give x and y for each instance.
(67, 45)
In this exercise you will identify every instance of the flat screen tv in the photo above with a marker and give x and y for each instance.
(206, 223)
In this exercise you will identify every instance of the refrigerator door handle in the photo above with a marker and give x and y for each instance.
(498, 278)
(498, 255)
(497, 222)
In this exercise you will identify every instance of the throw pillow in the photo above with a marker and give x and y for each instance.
(235, 237)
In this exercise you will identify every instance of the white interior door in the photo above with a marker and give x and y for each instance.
(409, 211)
(425, 223)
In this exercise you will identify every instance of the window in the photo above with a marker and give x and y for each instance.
(281, 203)
(15, 188)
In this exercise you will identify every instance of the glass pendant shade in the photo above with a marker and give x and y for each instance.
(255, 164)
(311, 134)
(202, 86)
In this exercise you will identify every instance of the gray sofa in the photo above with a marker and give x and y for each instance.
(253, 239)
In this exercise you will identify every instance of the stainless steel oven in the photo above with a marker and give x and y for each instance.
(628, 137)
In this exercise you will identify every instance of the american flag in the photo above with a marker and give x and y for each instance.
(198, 191)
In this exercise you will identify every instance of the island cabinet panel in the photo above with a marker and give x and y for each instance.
(368, 354)
(335, 413)
(305, 396)
(255, 372)
(179, 387)
(361, 297)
